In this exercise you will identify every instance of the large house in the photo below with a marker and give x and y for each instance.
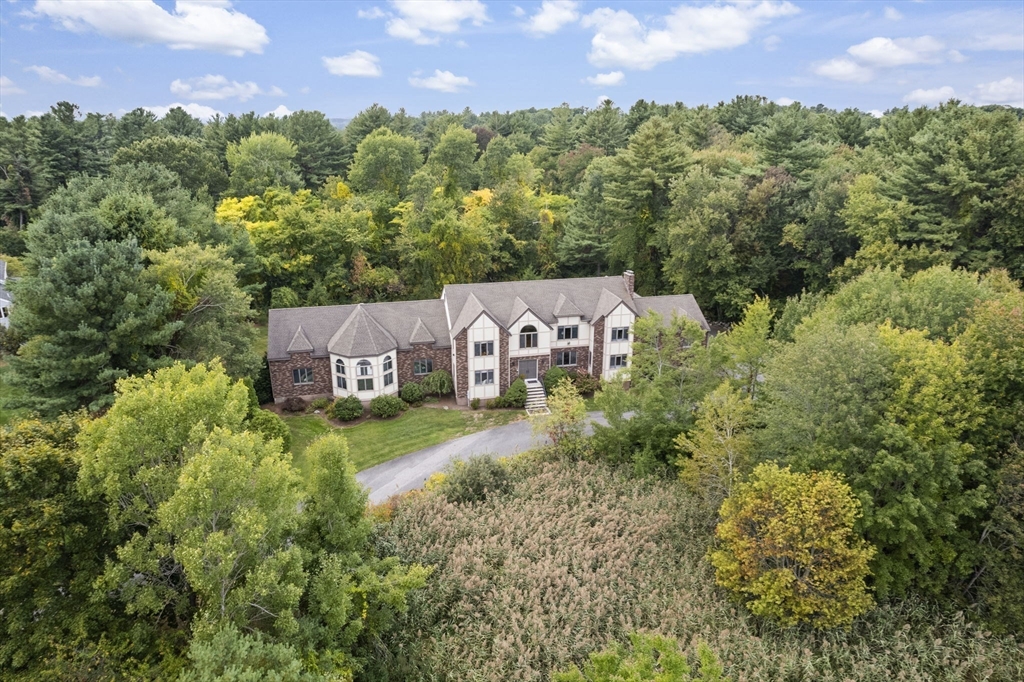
(485, 335)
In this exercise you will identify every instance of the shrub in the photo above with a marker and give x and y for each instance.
(320, 403)
(492, 403)
(271, 426)
(566, 424)
(650, 658)
(515, 396)
(474, 479)
(294, 404)
(584, 382)
(261, 383)
(386, 406)
(346, 409)
(412, 393)
(438, 382)
(552, 377)
(475, 403)
(10, 341)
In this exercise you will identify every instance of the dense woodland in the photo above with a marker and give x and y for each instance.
(832, 489)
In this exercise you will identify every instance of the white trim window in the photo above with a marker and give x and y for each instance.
(339, 367)
(483, 348)
(484, 377)
(342, 382)
(364, 384)
(617, 361)
(389, 376)
(566, 358)
(620, 333)
(364, 368)
(302, 376)
(422, 366)
(528, 337)
(571, 331)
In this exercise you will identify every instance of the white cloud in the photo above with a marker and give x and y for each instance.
(843, 69)
(1007, 91)
(358, 63)
(372, 13)
(956, 56)
(998, 41)
(219, 87)
(200, 111)
(518, 11)
(892, 14)
(552, 16)
(885, 52)
(621, 40)
(442, 81)
(279, 112)
(877, 113)
(607, 79)
(7, 87)
(53, 76)
(193, 25)
(771, 43)
(601, 99)
(929, 97)
(416, 19)
(784, 101)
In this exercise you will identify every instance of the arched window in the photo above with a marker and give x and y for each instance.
(389, 376)
(387, 364)
(364, 368)
(339, 366)
(528, 337)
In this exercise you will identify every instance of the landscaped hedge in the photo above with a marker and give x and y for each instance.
(346, 409)
(271, 426)
(412, 393)
(386, 406)
(585, 382)
(553, 376)
(515, 396)
(294, 404)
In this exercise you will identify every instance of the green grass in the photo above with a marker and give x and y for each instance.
(377, 440)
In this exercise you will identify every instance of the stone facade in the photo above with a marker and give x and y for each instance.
(281, 377)
(442, 359)
(503, 369)
(582, 358)
(462, 368)
(598, 331)
(543, 365)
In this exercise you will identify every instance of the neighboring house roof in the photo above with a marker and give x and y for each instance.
(566, 308)
(540, 296)
(320, 324)
(682, 304)
(420, 333)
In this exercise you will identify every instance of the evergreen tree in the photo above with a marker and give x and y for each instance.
(319, 147)
(603, 127)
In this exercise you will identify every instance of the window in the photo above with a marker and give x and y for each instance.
(339, 367)
(364, 384)
(566, 358)
(387, 364)
(615, 361)
(569, 332)
(482, 348)
(485, 377)
(364, 368)
(620, 333)
(303, 375)
(389, 378)
(528, 337)
(342, 383)
(422, 366)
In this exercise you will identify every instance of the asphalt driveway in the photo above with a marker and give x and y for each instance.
(410, 472)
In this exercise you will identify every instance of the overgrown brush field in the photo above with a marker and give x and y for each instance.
(576, 556)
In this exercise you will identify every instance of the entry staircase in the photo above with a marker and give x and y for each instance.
(536, 398)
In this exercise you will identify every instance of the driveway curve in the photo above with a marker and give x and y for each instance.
(410, 472)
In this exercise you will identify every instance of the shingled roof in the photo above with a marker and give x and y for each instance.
(361, 335)
(682, 304)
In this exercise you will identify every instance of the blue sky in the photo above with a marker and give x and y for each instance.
(341, 57)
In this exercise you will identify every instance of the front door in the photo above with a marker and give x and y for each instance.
(528, 369)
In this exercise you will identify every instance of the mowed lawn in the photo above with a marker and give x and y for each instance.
(379, 440)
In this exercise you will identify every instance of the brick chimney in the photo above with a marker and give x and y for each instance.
(628, 278)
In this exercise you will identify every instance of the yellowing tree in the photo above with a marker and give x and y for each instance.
(789, 551)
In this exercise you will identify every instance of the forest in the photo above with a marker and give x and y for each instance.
(831, 488)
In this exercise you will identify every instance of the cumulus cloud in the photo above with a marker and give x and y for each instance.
(518, 11)
(771, 43)
(280, 112)
(7, 87)
(885, 52)
(200, 111)
(607, 79)
(422, 20)
(552, 16)
(784, 101)
(998, 41)
(193, 25)
(892, 14)
(219, 87)
(53, 76)
(442, 81)
(359, 63)
(929, 97)
(1006, 91)
(877, 113)
(620, 39)
(844, 69)
(601, 99)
